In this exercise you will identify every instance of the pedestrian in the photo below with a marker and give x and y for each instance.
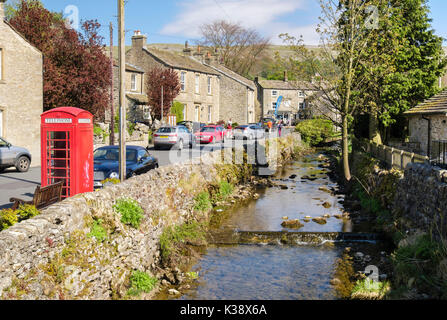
(230, 124)
(279, 127)
(270, 125)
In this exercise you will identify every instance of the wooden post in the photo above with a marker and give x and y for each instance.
(112, 108)
(122, 106)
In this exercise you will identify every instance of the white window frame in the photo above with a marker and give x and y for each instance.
(133, 82)
(183, 80)
(274, 93)
(301, 106)
(274, 105)
(209, 81)
(300, 93)
(197, 84)
(210, 115)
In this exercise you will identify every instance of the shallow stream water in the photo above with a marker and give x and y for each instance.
(277, 272)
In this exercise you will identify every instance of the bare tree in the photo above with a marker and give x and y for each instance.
(239, 48)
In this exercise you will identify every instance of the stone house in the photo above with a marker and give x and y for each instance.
(137, 102)
(238, 96)
(295, 103)
(428, 123)
(21, 89)
(200, 84)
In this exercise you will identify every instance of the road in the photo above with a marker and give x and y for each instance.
(23, 185)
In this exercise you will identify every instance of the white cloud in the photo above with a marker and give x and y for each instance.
(262, 15)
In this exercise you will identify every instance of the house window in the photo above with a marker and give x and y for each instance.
(210, 117)
(197, 83)
(209, 85)
(183, 81)
(300, 94)
(197, 114)
(146, 112)
(273, 105)
(1, 64)
(302, 106)
(133, 82)
(274, 93)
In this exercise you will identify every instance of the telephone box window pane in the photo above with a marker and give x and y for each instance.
(58, 159)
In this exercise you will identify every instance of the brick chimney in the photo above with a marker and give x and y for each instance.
(138, 40)
(187, 51)
(2, 9)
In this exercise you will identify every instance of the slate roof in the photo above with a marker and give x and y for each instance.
(435, 105)
(129, 67)
(178, 61)
(235, 76)
(285, 85)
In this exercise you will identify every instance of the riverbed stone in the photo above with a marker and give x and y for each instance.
(292, 224)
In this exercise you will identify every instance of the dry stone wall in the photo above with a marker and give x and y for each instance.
(52, 255)
(421, 198)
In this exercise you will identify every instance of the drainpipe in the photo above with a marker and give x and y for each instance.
(429, 136)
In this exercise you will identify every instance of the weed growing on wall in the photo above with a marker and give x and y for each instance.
(97, 231)
(131, 212)
(9, 217)
(225, 189)
(141, 282)
(26, 211)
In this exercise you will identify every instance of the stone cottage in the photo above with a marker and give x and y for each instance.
(428, 122)
(21, 89)
(294, 105)
(200, 87)
(137, 102)
(238, 95)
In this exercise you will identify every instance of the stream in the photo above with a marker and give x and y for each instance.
(303, 190)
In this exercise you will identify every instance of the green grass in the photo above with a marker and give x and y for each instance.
(179, 234)
(368, 289)
(202, 202)
(97, 231)
(141, 282)
(225, 190)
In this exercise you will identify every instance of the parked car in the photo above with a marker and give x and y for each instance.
(170, 136)
(12, 156)
(249, 132)
(192, 126)
(106, 163)
(211, 134)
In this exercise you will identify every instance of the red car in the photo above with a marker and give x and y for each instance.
(211, 134)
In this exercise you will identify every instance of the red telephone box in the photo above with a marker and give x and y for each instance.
(67, 149)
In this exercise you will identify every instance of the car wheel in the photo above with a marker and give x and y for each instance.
(156, 147)
(2, 169)
(22, 164)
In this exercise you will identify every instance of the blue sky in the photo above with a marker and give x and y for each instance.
(175, 21)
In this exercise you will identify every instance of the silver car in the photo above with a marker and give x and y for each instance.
(12, 156)
(248, 132)
(174, 136)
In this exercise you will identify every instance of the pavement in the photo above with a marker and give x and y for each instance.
(22, 185)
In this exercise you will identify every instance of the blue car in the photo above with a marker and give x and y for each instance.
(106, 163)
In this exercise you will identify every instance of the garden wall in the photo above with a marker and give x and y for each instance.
(52, 255)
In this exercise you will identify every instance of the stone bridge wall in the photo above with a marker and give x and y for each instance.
(52, 257)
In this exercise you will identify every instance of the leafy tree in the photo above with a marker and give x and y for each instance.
(158, 78)
(76, 71)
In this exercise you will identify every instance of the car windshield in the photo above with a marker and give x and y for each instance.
(208, 129)
(109, 154)
(166, 130)
(3, 143)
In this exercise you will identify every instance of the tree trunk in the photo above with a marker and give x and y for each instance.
(374, 133)
(345, 149)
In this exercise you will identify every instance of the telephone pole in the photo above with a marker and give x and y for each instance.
(112, 108)
(122, 106)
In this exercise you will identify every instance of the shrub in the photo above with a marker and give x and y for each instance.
(315, 131)
(225, 189)
(8, 218)
(202, 202)
(141, 282)
(131, 212)
(368, 289)
(26, 211)
(97, 231)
